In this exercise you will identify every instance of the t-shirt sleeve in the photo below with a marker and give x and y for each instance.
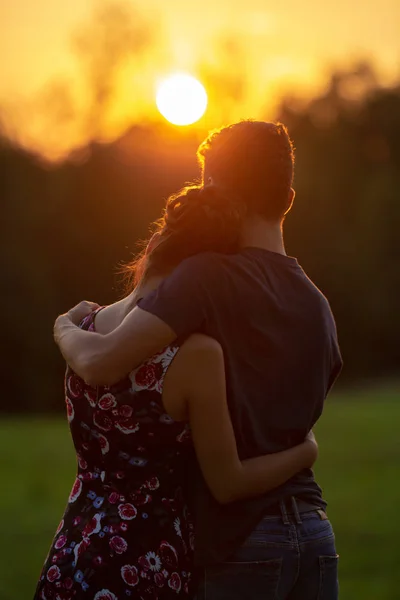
(182, 299)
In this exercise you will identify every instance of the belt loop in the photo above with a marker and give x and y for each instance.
(296, 510)
(285, 517)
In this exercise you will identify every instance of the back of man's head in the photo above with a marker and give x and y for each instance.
(254, 162)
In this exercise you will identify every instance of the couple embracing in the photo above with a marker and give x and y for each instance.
(191, 402)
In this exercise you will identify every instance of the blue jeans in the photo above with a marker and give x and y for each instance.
(288, 557)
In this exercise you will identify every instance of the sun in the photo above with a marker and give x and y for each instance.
(181, 99)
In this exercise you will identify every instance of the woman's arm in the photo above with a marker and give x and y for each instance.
(199, 377)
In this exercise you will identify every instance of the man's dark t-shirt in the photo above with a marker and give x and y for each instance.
(281, 355)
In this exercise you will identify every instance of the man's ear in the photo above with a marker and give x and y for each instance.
(290, 200)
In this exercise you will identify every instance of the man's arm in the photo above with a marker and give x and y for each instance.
(176, 308)
(105, 359)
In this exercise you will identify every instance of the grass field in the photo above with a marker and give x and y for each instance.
(359, 469)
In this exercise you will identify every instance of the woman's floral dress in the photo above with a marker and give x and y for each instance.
(126, 532)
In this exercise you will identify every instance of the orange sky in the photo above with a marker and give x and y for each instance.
(272, 47)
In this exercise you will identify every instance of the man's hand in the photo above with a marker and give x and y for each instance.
(74, 316)
(81, 310)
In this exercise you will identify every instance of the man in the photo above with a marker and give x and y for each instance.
(280, 346)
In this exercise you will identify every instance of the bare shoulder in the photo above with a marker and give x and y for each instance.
(199, 344)
(200, 353)
(199, 361)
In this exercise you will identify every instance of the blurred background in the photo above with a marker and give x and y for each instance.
(87, 161)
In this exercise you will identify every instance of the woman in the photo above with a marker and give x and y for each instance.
(127, 530)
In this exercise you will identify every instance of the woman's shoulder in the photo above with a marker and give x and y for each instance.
(194, 346)
(196, 354)
(199, 343)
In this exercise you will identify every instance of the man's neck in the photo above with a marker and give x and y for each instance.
(258, 233)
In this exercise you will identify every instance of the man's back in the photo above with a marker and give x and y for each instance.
(281, 353)
(279, 340)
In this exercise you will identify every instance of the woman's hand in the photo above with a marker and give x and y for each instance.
(311, 446)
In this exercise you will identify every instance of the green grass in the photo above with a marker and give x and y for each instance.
(358, 468)
(37, 470)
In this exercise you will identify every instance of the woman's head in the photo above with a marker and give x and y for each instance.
(197, 219)
(247, 169)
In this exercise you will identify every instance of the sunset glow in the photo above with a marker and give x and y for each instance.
(181, 99)
(84, 70)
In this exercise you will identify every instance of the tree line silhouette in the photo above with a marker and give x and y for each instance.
(66, 227)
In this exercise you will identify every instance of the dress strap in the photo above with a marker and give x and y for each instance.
(87, 322)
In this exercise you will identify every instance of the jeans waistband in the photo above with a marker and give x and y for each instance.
(292, 507)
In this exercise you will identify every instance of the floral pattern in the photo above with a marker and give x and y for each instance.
(127, 531)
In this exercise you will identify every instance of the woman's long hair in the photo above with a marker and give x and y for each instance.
(196, 219)
(252, 163)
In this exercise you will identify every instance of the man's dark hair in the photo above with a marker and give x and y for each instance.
(252, 161)
(251, 164)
